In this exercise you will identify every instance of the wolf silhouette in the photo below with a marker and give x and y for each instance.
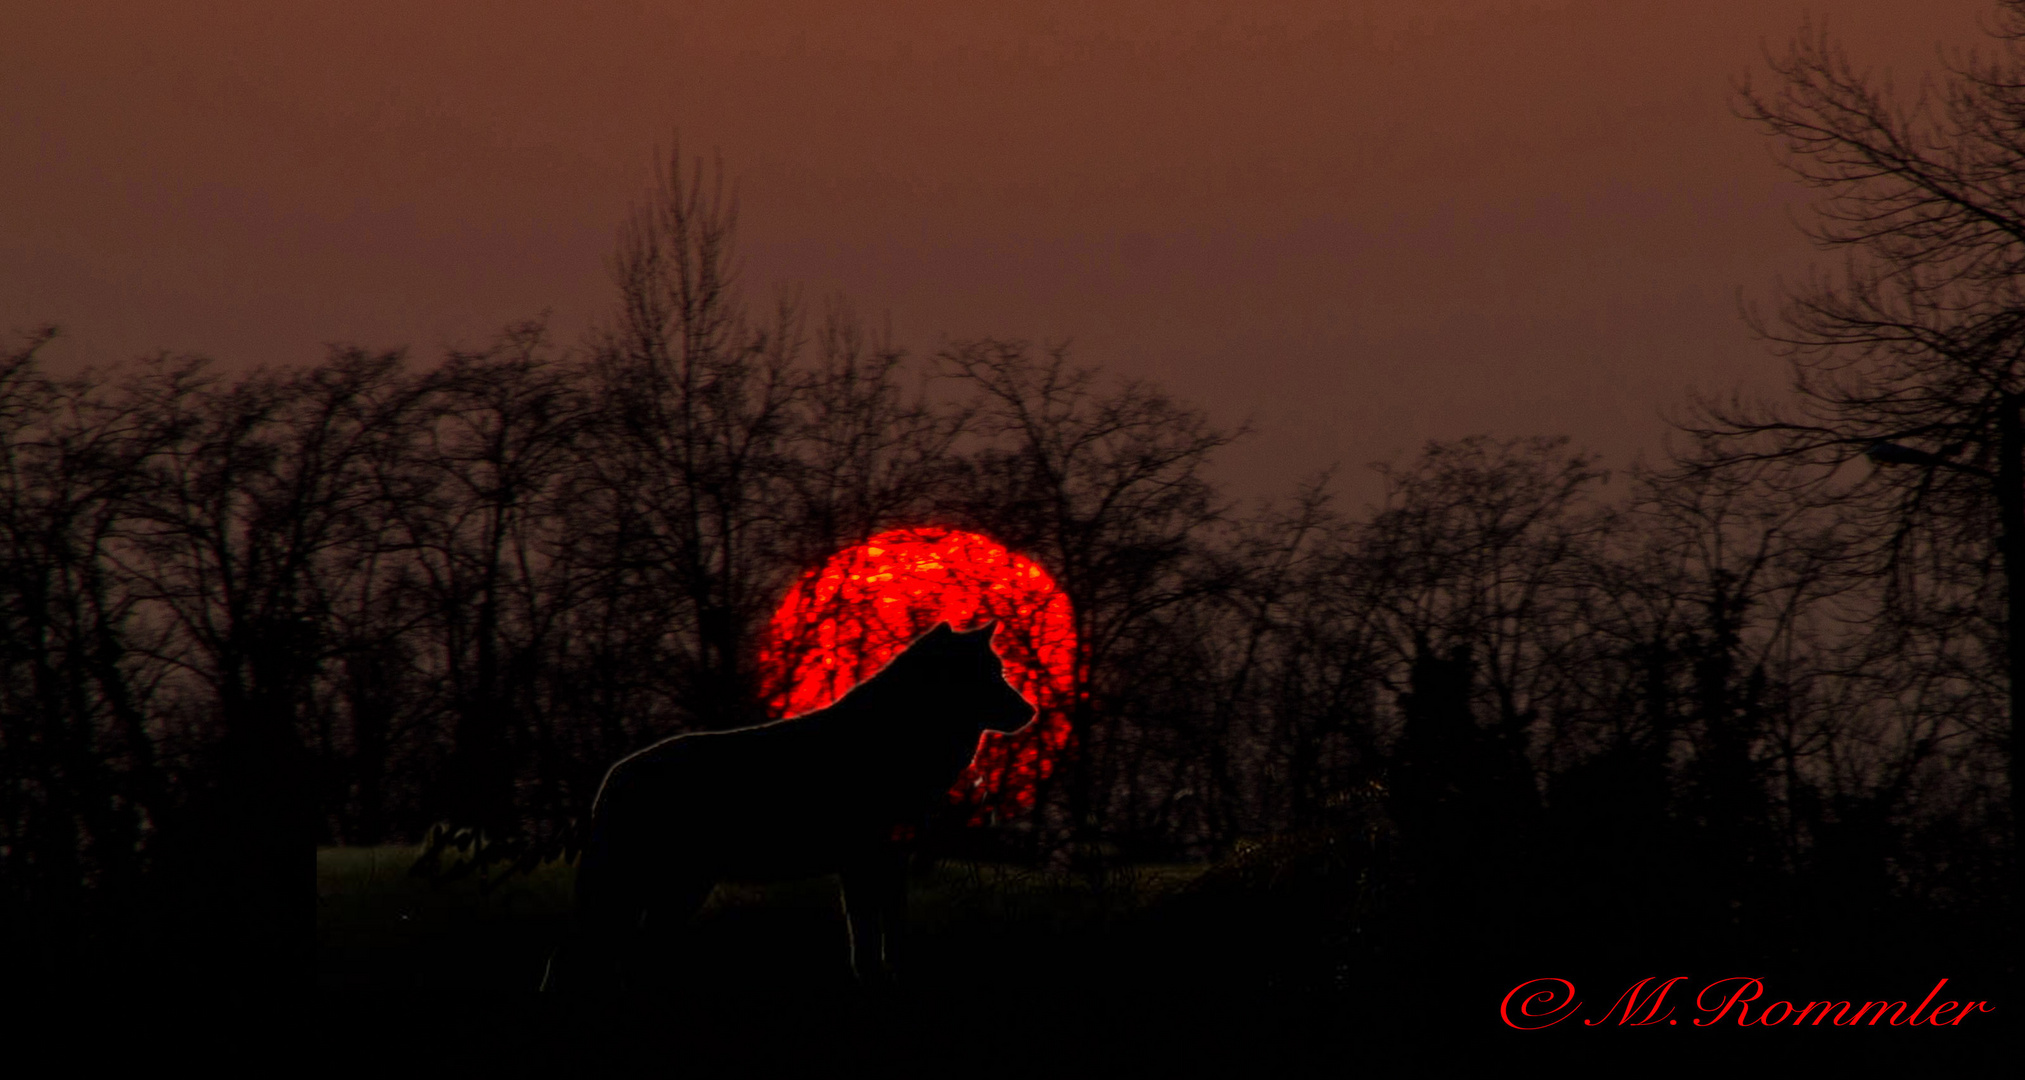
(829, 792)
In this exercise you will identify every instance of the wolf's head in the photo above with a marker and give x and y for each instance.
(961, 675)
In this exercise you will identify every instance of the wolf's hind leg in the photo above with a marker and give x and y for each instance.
(609, 906)
(671, 907)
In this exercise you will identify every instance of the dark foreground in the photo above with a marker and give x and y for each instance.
(1011, 969)
(1156, 970)
(1295, 963)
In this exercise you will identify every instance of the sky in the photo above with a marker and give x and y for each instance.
(1354, 225)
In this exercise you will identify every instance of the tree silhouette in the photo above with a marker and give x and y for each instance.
(1918, 339)
(691, 444)
(1107, 490)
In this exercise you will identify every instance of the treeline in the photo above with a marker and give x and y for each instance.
(241, 617)
(342, 604)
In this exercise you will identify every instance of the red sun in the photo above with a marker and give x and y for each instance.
(844, 620)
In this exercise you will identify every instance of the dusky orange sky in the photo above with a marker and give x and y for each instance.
(1359, 224)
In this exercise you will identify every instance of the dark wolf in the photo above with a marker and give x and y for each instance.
(830, 792)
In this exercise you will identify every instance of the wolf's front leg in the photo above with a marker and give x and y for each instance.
(875, 906)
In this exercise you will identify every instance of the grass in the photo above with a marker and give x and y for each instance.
(1012, 970)
(369, 903)
(764, 972)
(377, 924)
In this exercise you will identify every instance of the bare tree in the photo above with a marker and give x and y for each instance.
(1484, 546)
(84, 787)
(499, 442)
(1469, 587)
(1283, 674)
(867, 454)
(1915, 353)
(1106, 489)
(231, 537)
(697, 404)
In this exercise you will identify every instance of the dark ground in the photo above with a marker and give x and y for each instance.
(1017, 972)
(1251, 968)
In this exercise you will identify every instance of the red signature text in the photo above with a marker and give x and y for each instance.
(1542, 1003)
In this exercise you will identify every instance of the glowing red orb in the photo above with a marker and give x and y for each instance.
(841, 622)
